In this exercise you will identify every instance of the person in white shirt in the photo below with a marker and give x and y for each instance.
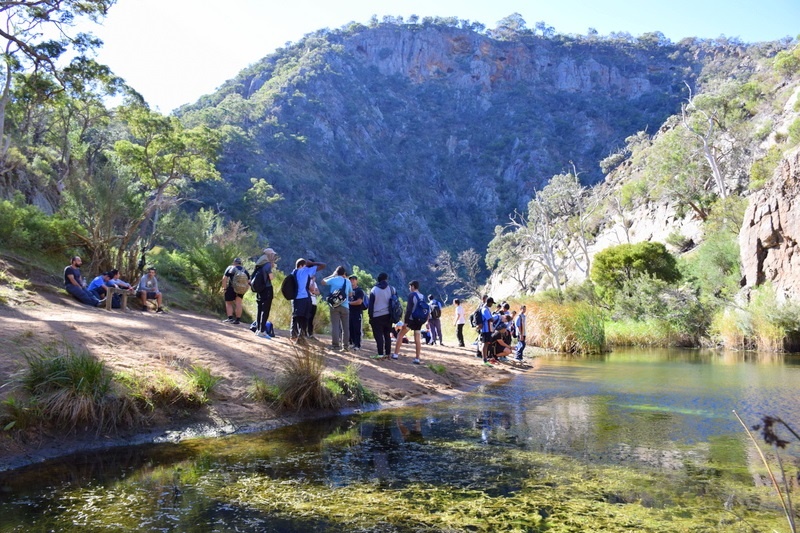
(460, 320)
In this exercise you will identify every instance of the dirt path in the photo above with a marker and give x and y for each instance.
(148, 343)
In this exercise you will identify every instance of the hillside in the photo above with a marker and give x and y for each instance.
(393, 142)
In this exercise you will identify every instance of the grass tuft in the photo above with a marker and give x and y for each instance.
(301, 382)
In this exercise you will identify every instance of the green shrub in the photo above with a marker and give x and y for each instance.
(201, 379)
(762, 169)
(72, 388)
(27, 227)
(641, 333)
(301, 383)
(615, 266)
(568, 328)
(352, 390)
(262, 391)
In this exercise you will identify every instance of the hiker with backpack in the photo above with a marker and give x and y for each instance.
(358, 304)
(384, 310)
(313, 293)
(417, 312)
(339, 303)
(435, 320)
(295, 288)
(261, 283)
(521, 324)
(486, 328)
(236, 283)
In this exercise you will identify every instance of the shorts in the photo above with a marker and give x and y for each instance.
(230, 294)
(151, 295)
(486, 336)
(414, 325)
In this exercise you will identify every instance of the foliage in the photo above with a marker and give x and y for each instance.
(26, 227)
(352, 390)
(301, 382)
(787, 62)
(262, 391)
(71, 389)
(615, 266)
(461, 273)
(568, 328)
(202, 379)
(763, 169)
(651, 332)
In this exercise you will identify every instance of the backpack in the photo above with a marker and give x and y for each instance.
(258, 282)
(289, 286)
(337, 297)
(395, 307)
(240, 281)
(436, 311)
(476, 318)
(421, 310)
(365, 301)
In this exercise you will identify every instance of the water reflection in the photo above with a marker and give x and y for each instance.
(653, 413)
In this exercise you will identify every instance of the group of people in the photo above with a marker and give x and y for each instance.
(96, 292)
(497, 330)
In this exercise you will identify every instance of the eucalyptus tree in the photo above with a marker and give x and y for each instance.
(460, 272)
(35, 35)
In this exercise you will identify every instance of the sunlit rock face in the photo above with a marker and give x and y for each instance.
(771, 229)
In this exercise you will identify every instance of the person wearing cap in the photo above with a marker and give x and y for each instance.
(264, 270)
(148, 290)
(233, 300)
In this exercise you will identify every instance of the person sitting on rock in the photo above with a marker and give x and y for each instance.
(75, 284)
(148, 290)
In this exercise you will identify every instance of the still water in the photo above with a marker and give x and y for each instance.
(630, 441)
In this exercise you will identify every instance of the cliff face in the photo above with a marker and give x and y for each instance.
(771, 231)
(409, 140)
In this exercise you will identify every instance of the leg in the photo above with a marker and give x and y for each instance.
(336, 328)
(345, 317)
(460, 334)
(399, 341)
(261, 319)
(310, 324)
(418, 343)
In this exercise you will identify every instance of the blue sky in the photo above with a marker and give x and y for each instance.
(174, 51)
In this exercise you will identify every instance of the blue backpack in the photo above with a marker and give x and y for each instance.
(421, 310)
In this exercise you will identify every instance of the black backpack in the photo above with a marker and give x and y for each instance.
(476, 318)
(395, 307)
(436, 311)
(258, 282)
(289, 286)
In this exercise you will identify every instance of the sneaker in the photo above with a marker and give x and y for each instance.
(228, 320)
(488, 363)
(518, 359)
(494, 361)
(503, 359)
(262, 335)
(236, 321)
(160, 310)
(334, 347)
(415, 362)
(394, 356)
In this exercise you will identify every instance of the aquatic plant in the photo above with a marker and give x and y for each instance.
(568, 328)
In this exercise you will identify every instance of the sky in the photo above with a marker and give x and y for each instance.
(175, 51)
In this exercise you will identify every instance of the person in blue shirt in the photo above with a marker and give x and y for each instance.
(340, 313)
(301, 305)
(487, 329)
(435, 320)
(98, 285)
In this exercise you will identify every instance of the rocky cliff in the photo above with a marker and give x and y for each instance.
(398, 141)
(771, 231)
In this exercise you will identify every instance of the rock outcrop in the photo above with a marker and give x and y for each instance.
(769, 237)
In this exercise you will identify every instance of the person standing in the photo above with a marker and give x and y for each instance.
(521, 324)
(460, 320)
(487, 328)
(148, 289)
(313, 293)
(338, 301)
(261, 283)
(379, 314)
(357, 307)
(235, 282)
(435, 319)
(415, 298)
(301, 305)
(76, 285)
